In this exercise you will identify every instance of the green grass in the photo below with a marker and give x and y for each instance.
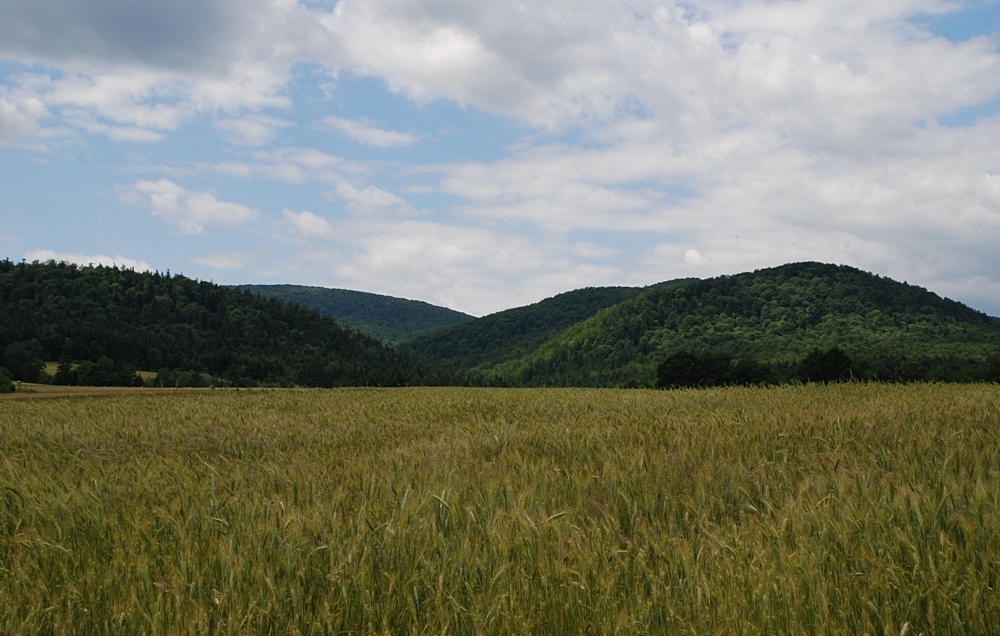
(850, 509)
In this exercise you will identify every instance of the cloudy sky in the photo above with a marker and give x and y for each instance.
(483, 155)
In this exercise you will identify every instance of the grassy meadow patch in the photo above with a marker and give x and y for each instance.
(843, 509)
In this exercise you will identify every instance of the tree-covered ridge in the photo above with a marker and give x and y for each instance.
(392, 320)
(892, 330)
(486, 342)
(157, 321)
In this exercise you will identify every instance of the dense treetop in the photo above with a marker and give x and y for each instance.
(765, 323)
(892, 330)
(508, 335)
(157, 321)
(392, 320)
(806, 321)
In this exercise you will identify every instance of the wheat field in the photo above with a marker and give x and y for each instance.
(843, 509)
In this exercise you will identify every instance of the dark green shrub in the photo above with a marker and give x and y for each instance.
(6, 384)
(66, 374)
(688, 369)
(831, 365)
(107, 372)
(23, 361)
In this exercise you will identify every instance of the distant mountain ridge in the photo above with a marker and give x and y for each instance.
(392, 320)
(154, 321)
(777, 315)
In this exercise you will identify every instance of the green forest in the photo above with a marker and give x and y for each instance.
(103, 323)
(391, 320)
(491, 340)
(775, 318)
(807, 322)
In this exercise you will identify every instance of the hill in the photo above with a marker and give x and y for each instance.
(893, 331)
(155, 321)
(616, 336)
(482, 344)
(392, 320)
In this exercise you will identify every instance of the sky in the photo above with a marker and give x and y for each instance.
(486, 155)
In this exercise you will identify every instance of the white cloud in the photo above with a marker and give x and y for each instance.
(814, 67)
(365, 132)
(248, 84)
(138, 104)
(189, 211)
(473, 269)
(308, 224)
(81, 259)
(179, 35)
(823, 71)
(137, 70)
(589, 250)
(494, 55)
(232, 260)
(19, 119)
(252, 130)
(760, 131)
(693, 257)
(926, 210)
(466, 268)
(138, 134)
(368, 197)
(292, 165)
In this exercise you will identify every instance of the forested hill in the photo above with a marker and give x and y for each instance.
(891, 330)
(154, 321)
(486, 342)
(392, 320)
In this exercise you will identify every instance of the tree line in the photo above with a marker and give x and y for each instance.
(104, 323)
(893, 331)
(689, 369)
